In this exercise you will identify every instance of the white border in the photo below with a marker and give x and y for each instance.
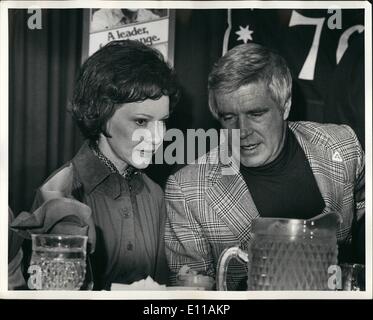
(368, 146)
(4, 147)
(188, 4)
(141, 295)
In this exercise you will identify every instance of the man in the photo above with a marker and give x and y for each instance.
(288, 169)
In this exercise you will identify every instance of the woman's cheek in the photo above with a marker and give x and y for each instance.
(139, 144)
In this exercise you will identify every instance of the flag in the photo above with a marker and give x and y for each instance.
(324, 50)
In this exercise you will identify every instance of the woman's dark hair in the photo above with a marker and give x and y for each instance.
(121, 72)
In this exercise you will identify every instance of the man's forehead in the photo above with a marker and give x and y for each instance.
(255, 93)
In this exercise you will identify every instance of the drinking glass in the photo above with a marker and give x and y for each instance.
(59, 261)
(353, 277)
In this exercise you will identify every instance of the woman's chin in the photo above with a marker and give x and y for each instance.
(141, 162)
(141, 166)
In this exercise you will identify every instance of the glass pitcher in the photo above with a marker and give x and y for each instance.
(287, 254)
(59, 261)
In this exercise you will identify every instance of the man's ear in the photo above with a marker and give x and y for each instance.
(212, 105)
(286, 109)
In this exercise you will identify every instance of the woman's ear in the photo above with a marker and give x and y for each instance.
(286, 109)
(107, 127)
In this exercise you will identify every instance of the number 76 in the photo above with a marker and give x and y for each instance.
(308, 69)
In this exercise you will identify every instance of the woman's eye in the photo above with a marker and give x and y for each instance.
(227, 118)
(141, 122)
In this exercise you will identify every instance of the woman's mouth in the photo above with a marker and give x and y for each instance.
(146, 153)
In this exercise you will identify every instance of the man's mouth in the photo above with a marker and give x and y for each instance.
(250, 147)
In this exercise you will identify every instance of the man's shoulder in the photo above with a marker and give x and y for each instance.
(327, 134)
(199, 170)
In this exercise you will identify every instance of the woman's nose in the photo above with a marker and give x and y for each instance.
(158, 132)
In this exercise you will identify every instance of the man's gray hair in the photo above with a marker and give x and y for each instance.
(250, 63)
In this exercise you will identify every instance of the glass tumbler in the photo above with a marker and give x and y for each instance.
(58, 261)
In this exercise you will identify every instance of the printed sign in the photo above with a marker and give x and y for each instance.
(150, 26)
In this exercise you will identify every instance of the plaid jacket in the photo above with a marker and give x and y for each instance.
(208, 212)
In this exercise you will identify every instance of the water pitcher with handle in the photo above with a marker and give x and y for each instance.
(287, 254)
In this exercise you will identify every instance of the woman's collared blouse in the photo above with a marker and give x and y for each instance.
(129, 216)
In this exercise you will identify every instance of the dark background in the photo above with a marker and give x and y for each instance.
(44, 63)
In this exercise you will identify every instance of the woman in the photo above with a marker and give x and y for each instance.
(122, 89)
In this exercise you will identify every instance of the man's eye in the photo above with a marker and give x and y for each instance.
(227, 118)
(141, 122)
(257, 114)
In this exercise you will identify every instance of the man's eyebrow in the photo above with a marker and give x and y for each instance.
(258, 109)
(221, 114)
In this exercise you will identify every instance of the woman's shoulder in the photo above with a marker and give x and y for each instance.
(64, 169)
(70, 171)
(58, 184)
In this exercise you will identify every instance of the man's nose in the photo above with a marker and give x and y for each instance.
(245, 127)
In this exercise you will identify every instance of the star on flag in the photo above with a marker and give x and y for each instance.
(244, 34)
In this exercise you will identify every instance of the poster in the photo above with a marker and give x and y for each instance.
(149, 26)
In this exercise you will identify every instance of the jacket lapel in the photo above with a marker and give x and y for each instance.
(327, 169)
(230, 198)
